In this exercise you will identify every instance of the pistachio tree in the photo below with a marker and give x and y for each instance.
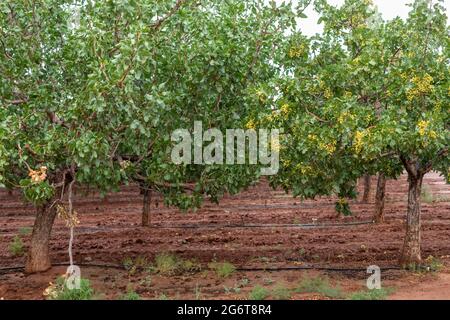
(366, 96)
(53, 129)
(203, 65)
(91, 92)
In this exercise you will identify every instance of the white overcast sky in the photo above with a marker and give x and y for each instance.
(389, 9)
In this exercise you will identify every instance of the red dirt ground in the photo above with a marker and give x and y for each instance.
(248, 230)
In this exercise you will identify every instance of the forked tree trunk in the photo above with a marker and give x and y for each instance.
(146, 207)
(366, 194)
(411, 247)
(380, 199)
(38, 258)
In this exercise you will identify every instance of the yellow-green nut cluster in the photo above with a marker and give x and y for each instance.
(358, 141)
(422, 86)
(285, 109)
(344, 116)
(424, 131)
(250, 124)
(304, 169)
(297, 51)
(330, 148)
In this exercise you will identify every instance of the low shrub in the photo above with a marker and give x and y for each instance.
(321, 286)
(16, 247)
(222, 269)
(258, 293)
(60, 291)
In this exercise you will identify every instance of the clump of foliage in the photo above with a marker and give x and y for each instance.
(342, 207)
(166, 264)
(430, 264)
(130, 295)
(222, 269)
(280, 292)
(375, 294)
(170, 264)
(16, 247)
(60, 291)
(320, 285)
(140, 263)
(433, 264)
(259, 293)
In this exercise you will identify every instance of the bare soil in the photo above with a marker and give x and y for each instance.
(258, 229)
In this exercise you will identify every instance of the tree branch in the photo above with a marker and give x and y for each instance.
(160, 21)
(410, 168)
(56, 120)
(427, 167)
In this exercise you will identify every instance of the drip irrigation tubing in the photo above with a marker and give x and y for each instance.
(90, 230)
(213, 209)
(6, 270)
(263, 225)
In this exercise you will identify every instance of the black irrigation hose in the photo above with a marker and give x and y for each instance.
(264, 225)
(280, 205)
(309, 267)
(7, 270)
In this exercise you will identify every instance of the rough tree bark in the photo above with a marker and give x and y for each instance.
(366, 194)
(380, 199)
(38, 259)
(146, 207)
(411, 248)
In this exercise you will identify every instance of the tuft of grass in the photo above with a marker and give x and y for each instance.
(166, 263)
(320, 285)
(188, 265)
(130, 295)
(280, 292)
(163, 296)
(170, 264)
(140, 263)
(431, 264)
(59, 291)
(16, 247)
(222, 269)
(375, 294)
(258, 293)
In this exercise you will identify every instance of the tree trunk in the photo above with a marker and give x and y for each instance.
(38, 258)
(146, 207)
(411, 247)
(366, 194)
(380, 199)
